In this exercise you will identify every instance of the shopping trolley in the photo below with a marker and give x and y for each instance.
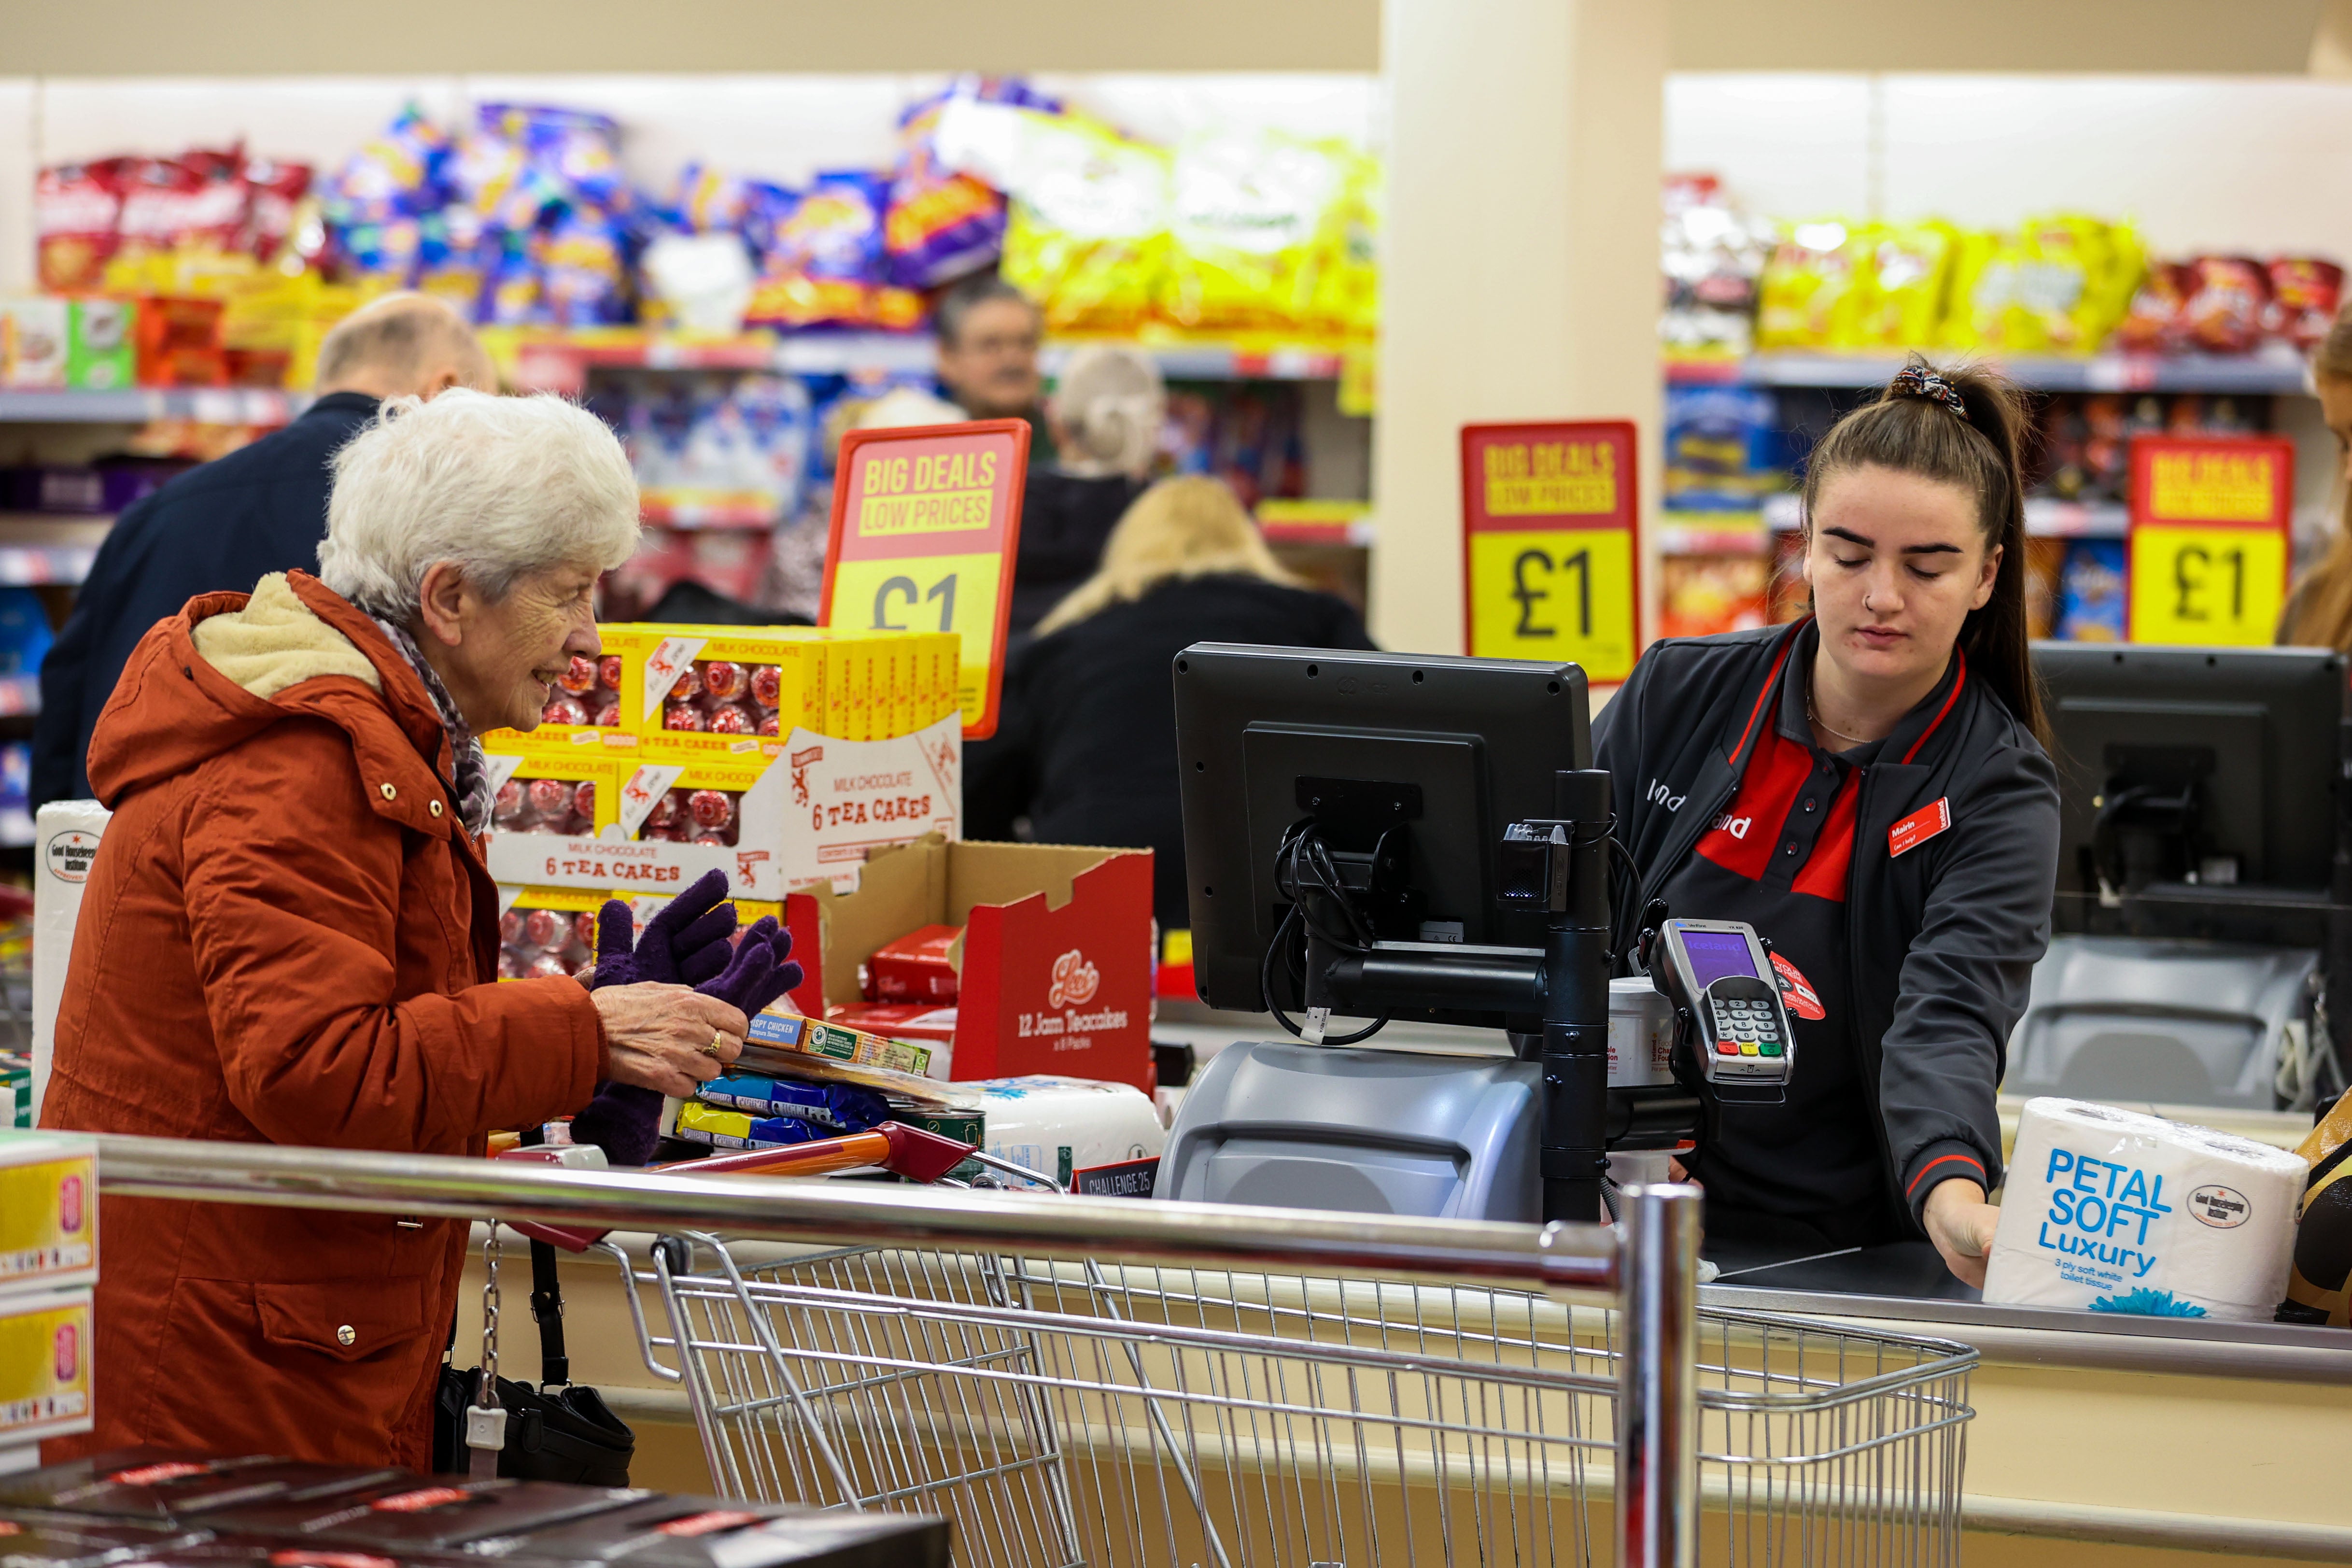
(1105, 1381)
(1091, 1413)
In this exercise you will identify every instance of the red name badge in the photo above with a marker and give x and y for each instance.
(1919, 826)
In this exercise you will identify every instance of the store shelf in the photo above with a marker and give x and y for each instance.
(137, 405)
(1340, 522)
(560, 364)
(2045, 518)
(39, 547)
(1712, 532)
(708, 510)
(2273, 370)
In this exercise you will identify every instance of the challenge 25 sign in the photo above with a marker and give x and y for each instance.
(1551, 564)
(926, 521)
(2211, 518)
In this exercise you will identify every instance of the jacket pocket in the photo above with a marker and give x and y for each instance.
(347, 1320)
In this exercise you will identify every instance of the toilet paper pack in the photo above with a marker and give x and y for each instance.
(2113, 1211)
(66, 837)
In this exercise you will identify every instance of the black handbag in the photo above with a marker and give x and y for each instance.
(559, 1431)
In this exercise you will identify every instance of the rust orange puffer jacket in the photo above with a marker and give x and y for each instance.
(289, 938)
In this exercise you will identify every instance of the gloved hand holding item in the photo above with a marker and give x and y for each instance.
(686, 944)
(623, 1120)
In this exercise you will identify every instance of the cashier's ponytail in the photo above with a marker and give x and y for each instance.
(1965, 426)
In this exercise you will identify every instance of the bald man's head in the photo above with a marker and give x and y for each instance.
(402, 345)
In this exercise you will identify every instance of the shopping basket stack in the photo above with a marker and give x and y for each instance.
(1068, 1413)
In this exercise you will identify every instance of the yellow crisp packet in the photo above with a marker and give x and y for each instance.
(1806, 298)
(1247, 214)
(1087, 232)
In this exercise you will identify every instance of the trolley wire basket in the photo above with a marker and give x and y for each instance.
(1089, 1413)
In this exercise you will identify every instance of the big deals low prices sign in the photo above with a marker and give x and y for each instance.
(2210, 544)
(1551, 559)
(926, 522)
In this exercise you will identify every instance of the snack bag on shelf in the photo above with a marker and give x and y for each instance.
(2228, 296)
(77, 208)
(1700, 595)
(1977, 293)
(2305, 293)
(824, 263)
(1712, 255)
(546, 931)
(275, 190)
(1721, 446)
(1087, 234)
(2091, 591)
(2157, 320)
(35, 339)
(2074, 279)
(2045, 563)
(1902, 303)
(1245, 210)
(1808, 294)
(1345, 299)
(942, 222)
(101, 352)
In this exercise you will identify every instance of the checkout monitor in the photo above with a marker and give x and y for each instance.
(1454, 749)
(2189, 767)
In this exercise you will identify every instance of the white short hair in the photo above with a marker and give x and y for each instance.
(502, 486)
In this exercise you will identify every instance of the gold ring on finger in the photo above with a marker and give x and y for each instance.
(717, 1044)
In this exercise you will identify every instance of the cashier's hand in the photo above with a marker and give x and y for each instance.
(666, 1037)
(1960, 1223)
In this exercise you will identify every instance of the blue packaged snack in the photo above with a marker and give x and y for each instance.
(2091, 591)
(941, 223)
(1722, 448)
(839, 1106)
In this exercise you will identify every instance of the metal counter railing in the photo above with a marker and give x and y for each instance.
(1648, 1263)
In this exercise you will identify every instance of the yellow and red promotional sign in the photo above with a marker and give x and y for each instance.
(2211, 524)
(1551, 561)
(926, 521)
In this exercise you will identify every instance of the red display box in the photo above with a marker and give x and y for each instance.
(1056, 966)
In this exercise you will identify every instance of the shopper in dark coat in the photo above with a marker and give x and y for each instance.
(1089, 727)
(223, 527)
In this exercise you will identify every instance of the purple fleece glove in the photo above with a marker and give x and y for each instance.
(685, 944)
(625, 1120)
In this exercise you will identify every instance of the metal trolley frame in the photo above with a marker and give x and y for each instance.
(1105, 1380)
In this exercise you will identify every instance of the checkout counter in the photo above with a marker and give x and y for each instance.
(2154, 1436)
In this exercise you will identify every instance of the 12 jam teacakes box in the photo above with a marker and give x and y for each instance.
(707, 1532)
(171, 1484)
(427, 1514)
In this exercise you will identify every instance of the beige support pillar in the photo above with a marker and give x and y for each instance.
(1521, 275)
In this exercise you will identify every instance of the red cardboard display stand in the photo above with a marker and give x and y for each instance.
(1057, 957)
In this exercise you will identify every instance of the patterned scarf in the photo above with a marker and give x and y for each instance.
(473, 792)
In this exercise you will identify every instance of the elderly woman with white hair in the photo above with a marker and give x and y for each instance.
(288, 935)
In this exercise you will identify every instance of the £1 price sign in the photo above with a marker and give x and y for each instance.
(2209, 528)
(1551, 564)
(926, 521)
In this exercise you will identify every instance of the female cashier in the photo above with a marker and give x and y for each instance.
(1868, 789)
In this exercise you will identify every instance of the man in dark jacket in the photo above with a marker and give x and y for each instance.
(226, 525)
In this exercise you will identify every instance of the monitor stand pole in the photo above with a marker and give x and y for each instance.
(1576, 1007)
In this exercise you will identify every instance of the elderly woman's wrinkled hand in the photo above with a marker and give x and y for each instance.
(666, 1037)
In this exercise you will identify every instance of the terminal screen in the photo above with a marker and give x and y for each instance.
(1717, 954)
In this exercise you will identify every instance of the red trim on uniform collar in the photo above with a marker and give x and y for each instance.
(1771, 686)
(1961, 654)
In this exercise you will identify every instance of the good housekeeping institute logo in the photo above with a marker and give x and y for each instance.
(1075, 981)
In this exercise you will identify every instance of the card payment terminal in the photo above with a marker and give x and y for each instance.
(1716, 973)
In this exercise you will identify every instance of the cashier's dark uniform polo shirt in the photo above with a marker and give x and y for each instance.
(1805, 1171)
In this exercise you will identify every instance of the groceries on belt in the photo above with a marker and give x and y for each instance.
(2112, 1211)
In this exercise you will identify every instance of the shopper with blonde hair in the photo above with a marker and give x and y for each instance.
(1105, 417)
(1088, 751)
(2319, 611)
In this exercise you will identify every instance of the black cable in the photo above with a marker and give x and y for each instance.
(1302, 851)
